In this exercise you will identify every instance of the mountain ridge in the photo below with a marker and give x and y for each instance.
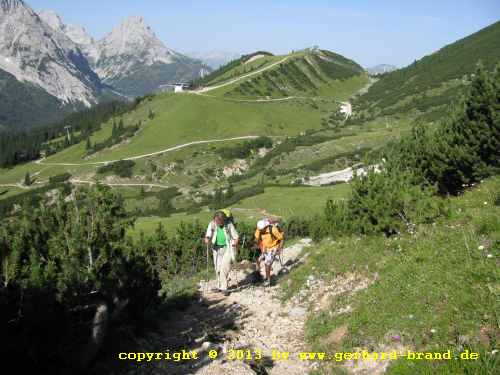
(431, 83)
(39, 50)
(131, 58)
(34, 52)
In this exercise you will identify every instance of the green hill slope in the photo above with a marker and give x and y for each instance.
(432, 290)
(319, 79)
(434, 81)
(235, 68)
(311, 72)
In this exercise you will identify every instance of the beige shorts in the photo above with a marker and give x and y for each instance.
(269, 256)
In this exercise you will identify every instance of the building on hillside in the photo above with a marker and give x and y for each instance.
(176, 87)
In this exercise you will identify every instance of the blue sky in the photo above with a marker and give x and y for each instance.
(368, 31)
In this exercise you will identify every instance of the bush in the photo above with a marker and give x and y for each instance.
(296, 227)
(221, 200)
(59, 178)
(245, 150)
(459, 152)
(386, 201)
(58, 264)
(122, 168)
(464, 149)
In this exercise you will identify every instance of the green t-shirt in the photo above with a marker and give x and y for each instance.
(220, 240)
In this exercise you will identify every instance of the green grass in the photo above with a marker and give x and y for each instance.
(186, 118)
(6, 192)
(280, 201)
(431, 287)
(245, 68)
(302, 74)
(350, 139)
(295, 201)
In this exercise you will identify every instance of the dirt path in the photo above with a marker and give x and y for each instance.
(174, 148)
(252, 318)
(270, 100)
(210, 88)
(77, 181)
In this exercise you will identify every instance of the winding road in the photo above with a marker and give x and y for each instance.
(174, 148)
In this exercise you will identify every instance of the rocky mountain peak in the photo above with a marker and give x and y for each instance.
(32, 51)
(129, 46)
(52, 19)
(76, 33)
(133, 35)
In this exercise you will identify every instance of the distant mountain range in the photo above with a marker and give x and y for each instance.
(48, 67)
(381, 68)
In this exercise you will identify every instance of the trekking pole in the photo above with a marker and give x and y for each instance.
(207, 278)
(237, 279)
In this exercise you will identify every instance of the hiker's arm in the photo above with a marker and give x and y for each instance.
(234, 234)
(280, 236)
(208, 234)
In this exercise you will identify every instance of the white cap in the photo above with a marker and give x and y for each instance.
(261, 224)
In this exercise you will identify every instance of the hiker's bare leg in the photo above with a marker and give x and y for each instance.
(268, 272)
(258, 263)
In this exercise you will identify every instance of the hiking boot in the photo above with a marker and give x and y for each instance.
(226, 293)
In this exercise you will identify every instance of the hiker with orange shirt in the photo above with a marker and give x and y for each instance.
(271, 240)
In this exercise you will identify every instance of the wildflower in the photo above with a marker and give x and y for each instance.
(481, 247)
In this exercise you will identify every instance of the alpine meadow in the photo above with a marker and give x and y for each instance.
(293, 209)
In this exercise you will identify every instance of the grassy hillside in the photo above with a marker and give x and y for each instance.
(185, 118)
(234, 68)
(307, 73)
(436, 80)
(296, 127)
(435, 289)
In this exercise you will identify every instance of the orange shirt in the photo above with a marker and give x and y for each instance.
(267, 241)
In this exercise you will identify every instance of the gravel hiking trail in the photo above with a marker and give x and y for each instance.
(251, 318)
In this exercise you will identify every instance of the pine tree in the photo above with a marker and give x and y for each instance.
(88, 146)
(466, 146)
(230, 192)
(471, 145)
(27, 179)
(114, 131)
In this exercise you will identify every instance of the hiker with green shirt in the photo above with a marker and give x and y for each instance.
(221, 235)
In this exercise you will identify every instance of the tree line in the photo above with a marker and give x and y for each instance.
(19, 146)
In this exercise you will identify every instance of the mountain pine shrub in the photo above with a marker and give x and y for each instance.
(465, 148)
